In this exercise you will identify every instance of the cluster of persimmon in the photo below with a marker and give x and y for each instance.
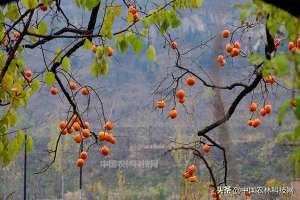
(109, 51)
(73, 86)
(27, 74)
(180, 94)
(133, 12)
(233, 49)
(264, 111)
(269, 79)
(189, 173)
(294, 46)
(82, 131)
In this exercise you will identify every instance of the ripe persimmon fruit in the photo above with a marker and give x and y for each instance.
(263, 112)
(190, 81)
(226, 33)
(110, 51)
(110, 138)
(180, 93)
(291, 45)
(85, 91)
(252, 107)
(70, 130)
(62, 125)
(28, 74)
(235, 52)
(173, 114)
(78, 138)
(192, 168)
(222, 63)
(220, 58)
(132, 9)
(256, 122)
(268, 108)
(109, 125)
(84, 155)
(104, 150)
(44, 7)
(80, 162)
(206, 148)
(86, 133)
(181, 101)
(53, 91)
(72, 85)
(76, 126)
(102, 136)
(173, 45)
(160, 104)
(250, 122)
(228, 48)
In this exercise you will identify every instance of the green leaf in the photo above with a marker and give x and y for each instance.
(1, 147)
(42, 28)
(244, 15)
(33, 30)
(11, 118)
(66, 64)
(151, 53)
(20, 137)
(30, 4)
(58, 55)
(12, 12)
(87, 44)
(90, 4)
(49, 78)
(29, 144)
(281, 65)
(136, 43)
(35, 85)
(117, 10)
(100, 69)
(121, 43)
(106, 30)
(255, 59)
(175, 21)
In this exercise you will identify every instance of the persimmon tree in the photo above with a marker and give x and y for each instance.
(39, 25)
(271, 65)
(29, 24)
